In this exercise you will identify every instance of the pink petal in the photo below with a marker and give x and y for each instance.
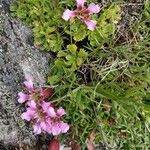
(29, 85)
(56, 129)
(22, 97)
(43, 125)
(28, 115)
(91, 24)
(49, 126)
(61, 112)
(45, 105)
(51, 112)
(25, 116)
(37, 128)
(32, 104)
(68, 14)
(92, 8)
(64, 127)
(80, 4)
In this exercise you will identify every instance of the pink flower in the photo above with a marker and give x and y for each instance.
(60, 112)
(22, 97)
(90, 24)
(45, 124)
(68, 14)
(92, 8)
(54, 125)
(29, 84)
(25, 97)
(37, 128)
(58, 127)
(83, 13)
(46, 118)
(39, 94)
(64, 127)
(30, 113)
(42, 125)
(55, 130)
(50, 111)
(80, 3)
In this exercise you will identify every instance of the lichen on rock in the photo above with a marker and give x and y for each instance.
(19, 60)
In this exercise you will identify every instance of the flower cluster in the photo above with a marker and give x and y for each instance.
(83, 13)
(47, 119)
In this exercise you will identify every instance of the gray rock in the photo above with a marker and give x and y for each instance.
(19, 60)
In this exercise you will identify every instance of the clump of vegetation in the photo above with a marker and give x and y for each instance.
(102, 82)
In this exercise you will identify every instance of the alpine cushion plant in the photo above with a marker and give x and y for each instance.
(47, 119)
(83, 13)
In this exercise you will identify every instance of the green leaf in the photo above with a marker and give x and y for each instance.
(79, 61)
(72, 48)
(53, 79)
(79, 36)
(69, 57)
(50, 30)
(59, 63)
(95, 38)
(61, 54)
(78, 30)
(82, 53)
(106, 26)
(73, 67)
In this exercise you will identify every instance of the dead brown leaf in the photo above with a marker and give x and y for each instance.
(90, 140)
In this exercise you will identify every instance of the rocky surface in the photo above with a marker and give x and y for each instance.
(19, 60)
